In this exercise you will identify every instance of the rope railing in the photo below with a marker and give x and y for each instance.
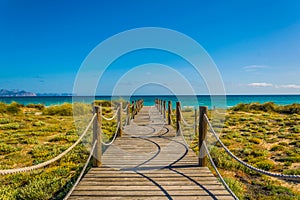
(184, 121)
(82, 171)
(277, 175)
(187, 134)
(221, 113)
(113, 117)
(126, 123)
(125, 109)
(218, 173)
(114, 138)
(180, 131)
(34, 167)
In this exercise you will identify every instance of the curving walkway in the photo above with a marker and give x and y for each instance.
(149, 162)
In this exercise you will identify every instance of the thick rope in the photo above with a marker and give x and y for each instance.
(126, 120)
(218, 173)
(125, 109)
(216, 111)
(82, 171)
(30, 168)
(277, 175)
(125, 124)
(183, 120)
(115, 136)
(182, 135)
(113, 117)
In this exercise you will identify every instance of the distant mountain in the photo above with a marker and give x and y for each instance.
(16, 93)
(54, 94)
(22, 93)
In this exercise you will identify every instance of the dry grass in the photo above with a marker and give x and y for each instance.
(265, 136)
(34, 134)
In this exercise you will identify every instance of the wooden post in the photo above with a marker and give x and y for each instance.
(202, 136)
(170, 112)
(128, 113)
(119, 120)
(159, 107)
(97, 136)
(132, 110)
(139, 105)
(178, 118)
(164, 103)
(195, 122)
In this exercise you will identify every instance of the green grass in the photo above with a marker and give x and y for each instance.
(265, 136)
(32, 134)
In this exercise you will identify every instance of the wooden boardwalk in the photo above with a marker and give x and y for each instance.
(149, 162)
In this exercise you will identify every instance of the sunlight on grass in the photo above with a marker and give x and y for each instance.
(33, 134)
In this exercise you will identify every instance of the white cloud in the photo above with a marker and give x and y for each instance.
(253, 68)
(260, 85)
(291, 86)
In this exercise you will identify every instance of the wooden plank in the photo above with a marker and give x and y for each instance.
(158, 175)
(147, 187)
(146, 182)
(198, 197)
(145, 192)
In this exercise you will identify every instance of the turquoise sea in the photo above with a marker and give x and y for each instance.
(200, 100)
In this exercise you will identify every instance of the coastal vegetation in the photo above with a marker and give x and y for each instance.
(33, 134)
(266, 136)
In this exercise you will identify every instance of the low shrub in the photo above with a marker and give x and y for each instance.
(283, 143)
(289, 159)
(60, 110)
(259, 152)
(10, 126)
(4, 120)
(41, 188)
(265, 165)
(14, 108)
(292, 171)
(81, 109)
(236, 187)
(255, 140)
(3, 107)
(268, 107)
(6, 148)
(36, 106)
(29, 140)
(38, 123)
(277, 147)
(103, 103)
(296, 129)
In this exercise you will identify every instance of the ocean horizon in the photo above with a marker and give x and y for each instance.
(186, 100)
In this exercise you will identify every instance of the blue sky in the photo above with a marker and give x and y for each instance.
(255, 44)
